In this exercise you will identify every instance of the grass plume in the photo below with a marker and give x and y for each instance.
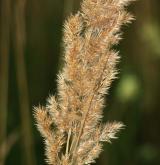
(71, 123)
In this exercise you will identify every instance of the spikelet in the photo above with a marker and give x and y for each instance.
(71, 123)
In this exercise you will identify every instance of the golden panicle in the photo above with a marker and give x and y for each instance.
(94, 153)
(53, 149)
(53, 140)
(93, 148)
(71, 123)
(109, 131)
(43, 122)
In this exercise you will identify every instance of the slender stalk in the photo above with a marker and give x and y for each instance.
(68, 140)
(20, 36)
(4, 74)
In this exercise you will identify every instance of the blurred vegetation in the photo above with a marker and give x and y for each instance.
(30, 56)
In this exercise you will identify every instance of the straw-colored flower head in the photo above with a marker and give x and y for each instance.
(71, 123)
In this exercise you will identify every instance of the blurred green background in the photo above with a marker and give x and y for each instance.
(30, 57)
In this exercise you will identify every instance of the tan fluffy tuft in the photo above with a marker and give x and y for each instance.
(71, 123)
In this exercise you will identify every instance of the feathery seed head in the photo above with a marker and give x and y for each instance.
(89, 69)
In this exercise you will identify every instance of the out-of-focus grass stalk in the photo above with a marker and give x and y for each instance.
(4, 73)
(8, 144)
(20, 39)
